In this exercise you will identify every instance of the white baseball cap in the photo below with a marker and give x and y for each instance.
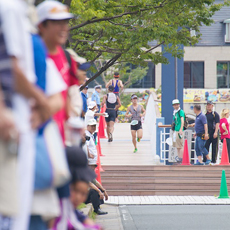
(92, 104)
(92, 122)
(175, 101)
(52, 10)
(76, 57)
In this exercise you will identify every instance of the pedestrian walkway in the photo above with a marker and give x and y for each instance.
(120, 151)
(111, 221)
(166, 200)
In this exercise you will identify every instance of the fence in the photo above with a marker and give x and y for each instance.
(168, 153)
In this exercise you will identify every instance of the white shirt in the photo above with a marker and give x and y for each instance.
(92, 148)
(88, 116)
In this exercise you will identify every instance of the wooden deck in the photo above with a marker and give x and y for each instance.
(120, 151)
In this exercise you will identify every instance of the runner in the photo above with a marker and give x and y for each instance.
(116, 83)
(137, 111)
(112, 102)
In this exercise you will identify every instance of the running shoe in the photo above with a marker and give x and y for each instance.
(208, 162)
(135, 150)
(138, 139)
(111, 137)
(198, 163)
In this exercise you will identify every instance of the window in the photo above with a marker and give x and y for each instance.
(223, 80)
(227, 30)
(148, 81)
(193, 74)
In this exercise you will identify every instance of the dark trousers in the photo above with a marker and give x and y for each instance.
(94, 198)
(214, 142)
(228, 146)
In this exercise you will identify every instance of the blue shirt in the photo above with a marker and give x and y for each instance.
(201, 120)
(84, 100)
(96, 97)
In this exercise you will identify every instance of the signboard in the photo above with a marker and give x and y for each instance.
(173, 150)
(204, 95)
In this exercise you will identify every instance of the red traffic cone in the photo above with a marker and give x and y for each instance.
(185, 160)
(99, 147)
(224, 156)
(101, 129)
(103, 118)
(97, 171)
(99, 160)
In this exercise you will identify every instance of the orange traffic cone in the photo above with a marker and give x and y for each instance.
(103, 118)
(101, 129)
(99, 147)
(97, 171)
(224, 156)
(99, 160)
(185, 160)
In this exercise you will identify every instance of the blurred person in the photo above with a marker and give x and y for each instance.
(50, 81)
(53, 19)
(213, 120)
(113, 103)
(79, 187)
(84, 95)
(201, 134)
(136, 113)
(96, 98)
(97, 193)
(178, 134)
(27, 98)
(224, 128)
(91, 112)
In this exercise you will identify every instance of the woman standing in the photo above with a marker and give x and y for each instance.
(137, 111)
(224, 128)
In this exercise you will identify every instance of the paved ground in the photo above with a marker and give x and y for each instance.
(120, 151)
(181, 217)
(164, 200)
(111, 221)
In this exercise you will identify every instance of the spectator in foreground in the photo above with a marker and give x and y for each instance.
(79, 187)
(201, 134)
(224, 128)
(213, 120)
(178, 134)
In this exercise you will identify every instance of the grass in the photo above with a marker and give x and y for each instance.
(81, 206)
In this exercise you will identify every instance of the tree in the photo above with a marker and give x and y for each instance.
(120, 31)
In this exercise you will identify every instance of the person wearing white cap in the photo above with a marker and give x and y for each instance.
(178, 128)
(90, 141)
(91, 113)
(53, 26)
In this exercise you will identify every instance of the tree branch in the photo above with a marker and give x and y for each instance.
(154, 47)
(113, 17)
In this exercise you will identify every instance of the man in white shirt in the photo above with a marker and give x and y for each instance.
(91, 112)
(90, 141)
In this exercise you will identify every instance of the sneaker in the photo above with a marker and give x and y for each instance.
(198, 163)
(208, 162)
(111, 137)
(178, 160)
(135, 150)
(138, 139)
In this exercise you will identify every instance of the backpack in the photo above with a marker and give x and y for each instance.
(185, 120)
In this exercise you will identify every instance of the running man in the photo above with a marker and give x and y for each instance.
(137, 111)
(116, 83)
(112, 102)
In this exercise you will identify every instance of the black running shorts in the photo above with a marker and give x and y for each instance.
(112, 115)
(137, 126)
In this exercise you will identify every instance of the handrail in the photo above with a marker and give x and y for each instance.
(164, 126)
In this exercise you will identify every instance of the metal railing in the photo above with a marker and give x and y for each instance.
(164, 147)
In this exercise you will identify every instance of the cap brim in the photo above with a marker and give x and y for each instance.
(84, 66)
(56, 17)
(83, 174)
